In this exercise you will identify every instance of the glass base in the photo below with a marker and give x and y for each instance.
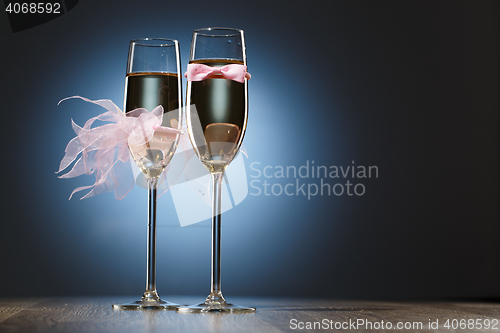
(146, 305)
(215, 306)
(149, 301)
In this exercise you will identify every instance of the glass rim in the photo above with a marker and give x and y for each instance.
(236, 32)
(143, 42)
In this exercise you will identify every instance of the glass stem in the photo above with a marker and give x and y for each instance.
(150, 294)
(215, 291)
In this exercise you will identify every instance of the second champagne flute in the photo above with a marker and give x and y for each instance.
(216, 114)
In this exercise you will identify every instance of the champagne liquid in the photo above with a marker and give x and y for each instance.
(148, 90)
(221, 107)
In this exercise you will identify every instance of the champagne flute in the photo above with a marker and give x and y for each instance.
(152, 79)
(216, 109)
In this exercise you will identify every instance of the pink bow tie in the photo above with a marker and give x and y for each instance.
(199, 72)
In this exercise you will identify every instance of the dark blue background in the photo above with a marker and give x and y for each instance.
(409, 86)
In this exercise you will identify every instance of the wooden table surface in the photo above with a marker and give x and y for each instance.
(95, 314)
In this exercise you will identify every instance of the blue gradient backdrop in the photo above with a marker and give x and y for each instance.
(409, 86)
